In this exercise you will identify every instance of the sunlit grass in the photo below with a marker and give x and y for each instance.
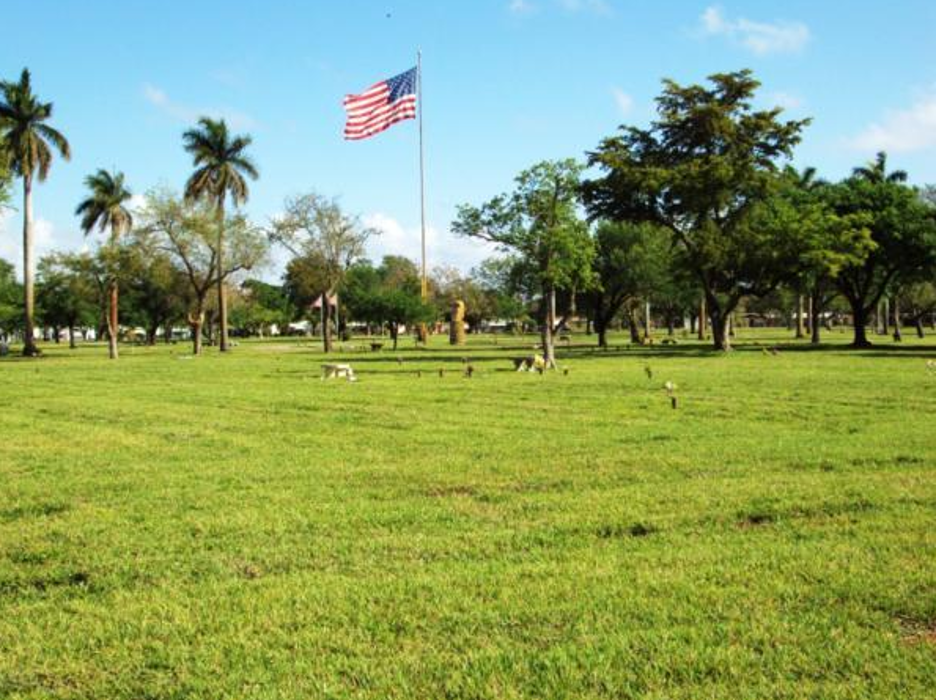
(231, 526)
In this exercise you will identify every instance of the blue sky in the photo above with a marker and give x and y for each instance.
(506, 83)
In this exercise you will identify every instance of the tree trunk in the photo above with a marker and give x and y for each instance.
(327, 344)
(721, 325)
(56, 333)
(885, 317)
(71, 337)
(633, 326)
(919, 327)
(860, 319)
(394, 334)
(721, 333)
(549, 300)
(29, 304)
(112, 327)
(800, 331)
(703, 315)
(196, 321)
(897, 336)
(648, 322)
(601, 328)
(814, 312)
(222, 297)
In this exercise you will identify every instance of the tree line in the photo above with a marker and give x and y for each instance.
(697, 216)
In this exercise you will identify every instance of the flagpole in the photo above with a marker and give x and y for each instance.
(422, 185)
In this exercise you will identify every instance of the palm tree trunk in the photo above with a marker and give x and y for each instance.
(112, 327)
(222, 297)
(29, 293)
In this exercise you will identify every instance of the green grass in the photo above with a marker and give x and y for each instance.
(232, 527)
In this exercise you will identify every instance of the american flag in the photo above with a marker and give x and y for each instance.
(381, 106)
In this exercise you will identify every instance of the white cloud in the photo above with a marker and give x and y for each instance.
(521, 7)
(759, 37)
(624, 102)
(598, 7)
(11, 239)
(184, 113)
(786, 100)
(441, 247)
(136, 204)
(902, 131)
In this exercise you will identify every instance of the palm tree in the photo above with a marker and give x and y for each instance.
(26, 138)
(876, 171)
(220, 165)
(104, 208)
(806, 181)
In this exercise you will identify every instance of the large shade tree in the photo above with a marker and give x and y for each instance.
(632, 261)
(28, 142)
(154, 285)
(388, 295)
(707, 171)
(186, 231)
(539, 222)
(830, 242)
(315, 229)
(902, 227)
(222, 167)
(105, 208)
(66, 293)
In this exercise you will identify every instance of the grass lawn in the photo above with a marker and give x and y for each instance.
(233, 527)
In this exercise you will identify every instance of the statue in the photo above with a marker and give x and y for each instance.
(457, 326)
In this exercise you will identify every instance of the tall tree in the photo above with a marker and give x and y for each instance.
(902, 228)
(28, 142)
(829, 243)
(539, 221)
(105, 208)
(11, 295)
(221, 164)
(706, 170)
(66, 294)
(187, 232)
(390, 294)
(154, 289)
(316, 227)
(632, 261)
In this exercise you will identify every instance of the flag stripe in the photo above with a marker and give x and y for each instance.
(377, 128)
(401, 110)
(381, 106)
(381, 111)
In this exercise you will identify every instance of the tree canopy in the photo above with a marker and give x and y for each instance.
(707, 171)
